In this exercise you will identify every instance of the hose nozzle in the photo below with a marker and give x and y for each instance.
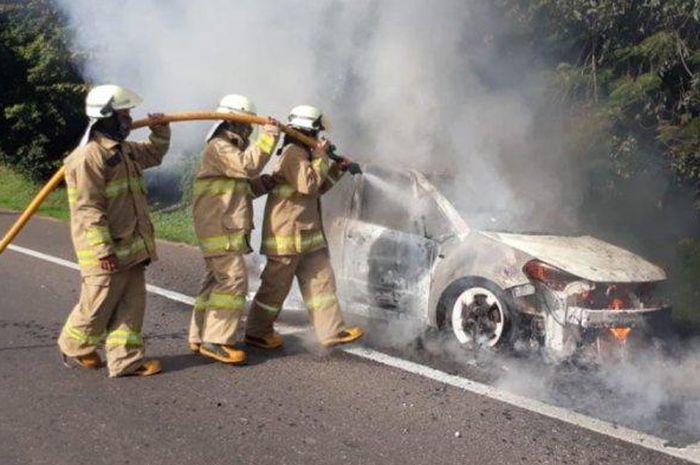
(353, 167)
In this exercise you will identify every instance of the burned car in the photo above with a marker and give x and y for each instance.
(401, 249)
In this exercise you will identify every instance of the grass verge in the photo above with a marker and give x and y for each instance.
(16, 191)
(175, 225)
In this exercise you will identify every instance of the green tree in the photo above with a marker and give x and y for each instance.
(628, 71)
(41, 116)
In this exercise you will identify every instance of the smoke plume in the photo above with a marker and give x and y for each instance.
(406, 83)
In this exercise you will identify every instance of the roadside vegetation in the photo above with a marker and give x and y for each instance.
(16, 191)
(175, 224)
(41, 103)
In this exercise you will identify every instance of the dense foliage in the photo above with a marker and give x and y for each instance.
(41, 103)
(628, 71)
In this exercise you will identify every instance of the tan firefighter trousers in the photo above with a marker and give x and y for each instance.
(111, 309)
(317, 283)
(221, 302)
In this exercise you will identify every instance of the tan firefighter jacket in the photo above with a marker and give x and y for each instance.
(224, 188)
(107, 199)
(292, 223)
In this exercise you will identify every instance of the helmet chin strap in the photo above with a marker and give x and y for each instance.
(86, 135)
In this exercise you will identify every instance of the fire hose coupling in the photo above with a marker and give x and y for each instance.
(353, 167)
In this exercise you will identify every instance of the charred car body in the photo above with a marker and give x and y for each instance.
(401, 249)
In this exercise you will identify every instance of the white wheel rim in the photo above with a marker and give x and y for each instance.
(468, 298)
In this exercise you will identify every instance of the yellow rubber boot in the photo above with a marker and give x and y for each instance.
(91, 361)
(270, 342)
(223, 353)
(148, 368)
(346, 336)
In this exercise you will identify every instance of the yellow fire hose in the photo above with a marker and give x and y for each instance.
(57, 178)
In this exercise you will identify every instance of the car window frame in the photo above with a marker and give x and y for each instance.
(357, 200)
(456, 222)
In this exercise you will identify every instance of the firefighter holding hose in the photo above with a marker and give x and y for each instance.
(112, 235)
(294, 241)
(225, 184)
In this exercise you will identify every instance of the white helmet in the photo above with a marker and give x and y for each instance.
(308, 117)
(101, 101)
(234, 103)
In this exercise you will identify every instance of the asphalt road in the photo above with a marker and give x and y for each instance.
(301, 405)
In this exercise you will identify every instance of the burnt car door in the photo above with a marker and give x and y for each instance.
(386, 257)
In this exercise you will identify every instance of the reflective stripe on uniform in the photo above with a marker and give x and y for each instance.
(285, 191)
(81, 336)
(117, 187)
(98, 235)
(72, 194)
(226, 300)
(114, 188)
(265, 142)
(200, 303)
(219, 186)
(291, 244)
(134, 247)
(321, 301)
(86, 257)
(320, 165)
(229, 242)
(124, 252)
(121, 186)
(124, 337)
(269, 308)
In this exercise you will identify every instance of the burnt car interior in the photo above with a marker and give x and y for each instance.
(391, 245)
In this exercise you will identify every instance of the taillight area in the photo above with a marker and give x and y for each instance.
(548, 275)
(620, 333)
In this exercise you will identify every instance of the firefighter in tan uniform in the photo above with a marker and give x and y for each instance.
(112, 235)
(226, 182)
(294, 241)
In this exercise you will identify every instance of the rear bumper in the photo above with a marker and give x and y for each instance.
(606, 318)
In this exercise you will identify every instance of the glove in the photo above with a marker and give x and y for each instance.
(268, 182)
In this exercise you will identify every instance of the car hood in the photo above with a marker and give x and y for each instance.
(584, 256)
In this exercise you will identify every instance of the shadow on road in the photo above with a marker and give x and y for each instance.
(178, 362)
(172, 363)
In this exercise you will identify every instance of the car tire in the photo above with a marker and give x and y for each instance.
(478, 314)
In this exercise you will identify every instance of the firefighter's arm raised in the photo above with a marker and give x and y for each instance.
(235, 163)
(87, 191)
(151, 153)
(306, 176)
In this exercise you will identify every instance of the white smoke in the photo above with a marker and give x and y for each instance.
(398, 78)
(652, 391)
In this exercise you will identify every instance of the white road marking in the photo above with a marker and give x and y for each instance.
(690, 453)
(172, 295)
(43, 256)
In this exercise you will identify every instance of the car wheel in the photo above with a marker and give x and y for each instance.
(479, 316)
